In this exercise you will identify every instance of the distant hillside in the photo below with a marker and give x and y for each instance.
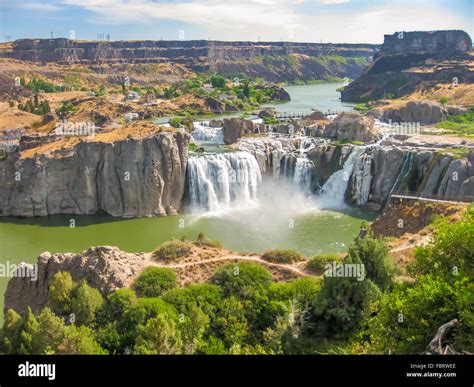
(413, 61)
(273, 61)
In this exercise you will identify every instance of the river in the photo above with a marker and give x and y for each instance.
(252, 228)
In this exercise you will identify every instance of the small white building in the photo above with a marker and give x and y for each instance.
(132, 95)
(208, 87)
(129, 117)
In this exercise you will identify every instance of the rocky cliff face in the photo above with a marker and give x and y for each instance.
(104, 268)
(128, 177)
(411, 60)
(380, 170)
(377, 170)
(274, 61)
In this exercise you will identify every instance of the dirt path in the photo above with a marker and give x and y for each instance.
(288, 267)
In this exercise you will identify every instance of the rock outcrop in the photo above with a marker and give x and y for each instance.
(104, 268)
(422, 112)
(410, 61)
(235, 128)
(352, 127)
(128, 177)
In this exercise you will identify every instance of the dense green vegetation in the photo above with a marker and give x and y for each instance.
(241, 310)
(462, 124)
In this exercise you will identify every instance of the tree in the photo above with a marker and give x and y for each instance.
(246, 90)
(192, 328)
(28, 329)
(374, 255)
(159, 336)
(79, 341)
(10, 332)
(444, 100)
(153, 281)
(242, 279)
(451, 255)
(50, 333)
(208, 297)
(218, 81)
(343, 303)
(409, 317)
(60, 290)
(85, 303)
(117, 303)
(231, 325)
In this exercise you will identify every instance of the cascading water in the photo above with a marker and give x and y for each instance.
(333, 192)
(204, 133)
(298, 168)
(217, 182)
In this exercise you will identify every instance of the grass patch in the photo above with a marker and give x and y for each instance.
(171, 251)
(282, 256)
(457, 153)
(347, 142)
(462, 124)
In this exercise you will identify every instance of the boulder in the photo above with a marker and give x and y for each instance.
(215, 124)
(352, 127)
(423, 112)
(267, 112)
(235, 128)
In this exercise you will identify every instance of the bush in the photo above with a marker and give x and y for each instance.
(319, 262)
(243, 279)
(153, 281)
(202, 240)
(282, 256)
(374, 254)
(409, 317)
(170, 251)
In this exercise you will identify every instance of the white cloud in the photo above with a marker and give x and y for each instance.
(279, 19)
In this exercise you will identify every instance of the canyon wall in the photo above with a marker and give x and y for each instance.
(409, 61)
(128, 178)
(274, 61)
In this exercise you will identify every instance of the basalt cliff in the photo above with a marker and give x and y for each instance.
(274, 61)
(414, 61)
(126, 177)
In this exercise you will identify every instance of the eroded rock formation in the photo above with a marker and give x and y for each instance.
(127, 177)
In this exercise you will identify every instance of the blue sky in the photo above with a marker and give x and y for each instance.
(295, 20)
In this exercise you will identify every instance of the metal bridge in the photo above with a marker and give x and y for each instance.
(298, 115)
(418, 196)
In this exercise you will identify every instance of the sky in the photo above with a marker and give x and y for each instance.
(335, 21)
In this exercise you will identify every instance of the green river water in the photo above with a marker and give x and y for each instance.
(311, 232)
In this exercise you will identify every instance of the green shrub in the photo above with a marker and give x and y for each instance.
(202, 240)
(242, 279)
(170, 251)
(153, 281)
(282, 256)
(319, 262)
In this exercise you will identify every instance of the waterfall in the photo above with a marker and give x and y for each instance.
(333, 192)
(203, 132)
(220, 181)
